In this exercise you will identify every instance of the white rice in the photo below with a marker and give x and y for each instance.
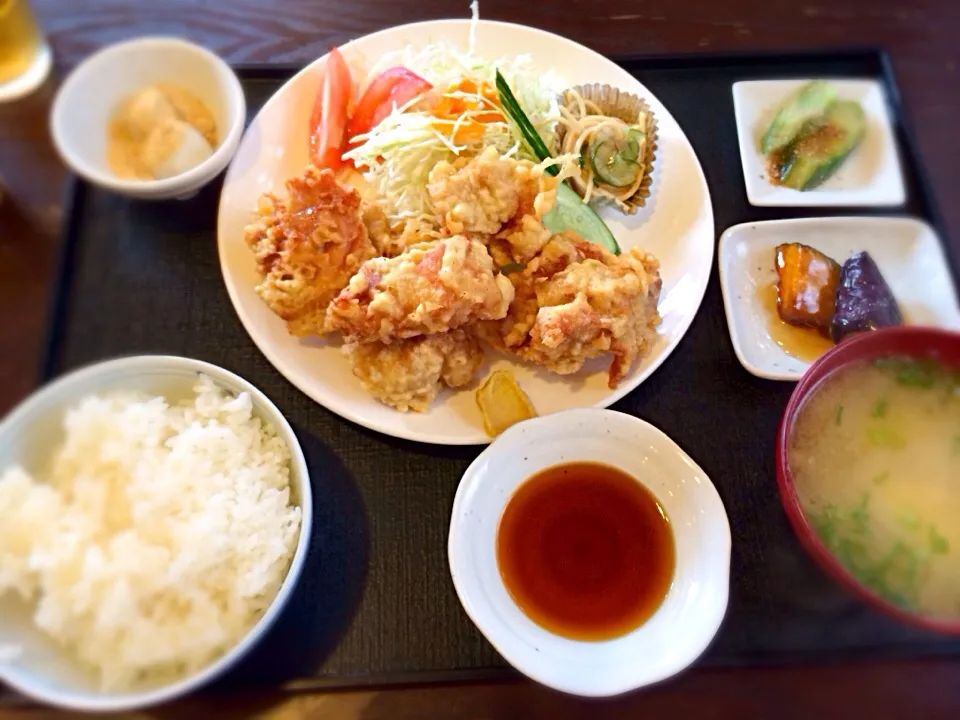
(159, 536)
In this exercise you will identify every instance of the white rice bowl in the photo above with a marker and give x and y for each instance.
(151, 537)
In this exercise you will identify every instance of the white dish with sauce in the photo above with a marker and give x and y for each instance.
(908, 252)
(691, 613)
(94, 92)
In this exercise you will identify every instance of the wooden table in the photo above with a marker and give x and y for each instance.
(922, 37)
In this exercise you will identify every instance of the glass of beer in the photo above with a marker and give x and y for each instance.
(25, 57)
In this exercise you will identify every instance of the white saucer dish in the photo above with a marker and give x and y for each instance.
(693, 609)
(30, 662)
(871, 175)
(907, 251)
(676, 226)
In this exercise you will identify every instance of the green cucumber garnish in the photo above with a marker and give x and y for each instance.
(614, 160)
(569, 212)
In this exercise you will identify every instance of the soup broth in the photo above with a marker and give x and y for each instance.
(875, 456)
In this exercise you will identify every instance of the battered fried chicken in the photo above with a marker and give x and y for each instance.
(478, 195)
(576, 301)
(501, 199)
(390, 241)
(408, 374)
(307, 247)
(520, 240)
(430, 288)
(511, 332)
(378, 226)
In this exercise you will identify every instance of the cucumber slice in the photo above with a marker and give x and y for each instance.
(632, 149)
(822, 146)
(610, 167)
(807, 103)
(614, 158)
(571, 213)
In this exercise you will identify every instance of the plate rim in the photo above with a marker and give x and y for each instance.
(480, 437)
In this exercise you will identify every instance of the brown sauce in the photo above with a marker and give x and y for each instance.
(586, 551)
(774, 161)
(802, 343)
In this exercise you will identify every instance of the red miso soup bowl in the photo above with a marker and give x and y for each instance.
(909, 342)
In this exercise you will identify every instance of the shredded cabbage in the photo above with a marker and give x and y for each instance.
(398, 154)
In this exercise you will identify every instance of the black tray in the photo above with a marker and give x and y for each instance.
(376, 604)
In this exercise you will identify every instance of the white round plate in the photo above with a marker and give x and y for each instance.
(694, 607)
(676, 226)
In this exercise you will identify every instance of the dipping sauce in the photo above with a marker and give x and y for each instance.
(586, 551)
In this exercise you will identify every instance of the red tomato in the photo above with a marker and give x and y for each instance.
(329, 119)
(391, 88)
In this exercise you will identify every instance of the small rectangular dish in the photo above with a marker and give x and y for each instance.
(907, 251)
(870, 176)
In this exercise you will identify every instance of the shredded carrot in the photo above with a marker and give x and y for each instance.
(464, 132)
(481, 109)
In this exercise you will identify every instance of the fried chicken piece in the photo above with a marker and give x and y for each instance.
(307, 247)
(390, 241)
(512, 331)
(482, 194)
(520, 240)
(523, 236)
(477, 195)
(492, 195)
(408, 374)
(576, 301)
(430, 288)
(378, 226)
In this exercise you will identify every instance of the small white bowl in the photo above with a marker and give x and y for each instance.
(691, 613)
(42, 670)
(93, 92)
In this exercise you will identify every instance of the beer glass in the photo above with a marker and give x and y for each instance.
(24, 54)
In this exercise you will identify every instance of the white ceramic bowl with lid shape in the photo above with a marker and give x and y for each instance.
(93, 92)
(694, 607)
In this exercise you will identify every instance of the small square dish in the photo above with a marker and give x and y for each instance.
(871, 175)
(907, 252)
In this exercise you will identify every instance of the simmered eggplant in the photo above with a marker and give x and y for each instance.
(807, 282)
(864, 300)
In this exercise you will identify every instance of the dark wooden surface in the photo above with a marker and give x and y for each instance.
(921, 37)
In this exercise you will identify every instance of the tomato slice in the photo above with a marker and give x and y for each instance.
(328, 122)
(391, 88)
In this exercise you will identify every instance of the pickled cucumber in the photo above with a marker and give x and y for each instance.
(808, 103)
(821, 146)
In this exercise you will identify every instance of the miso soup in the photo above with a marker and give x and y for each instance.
(875, 456)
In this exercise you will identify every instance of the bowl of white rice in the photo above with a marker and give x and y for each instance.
(155, 514)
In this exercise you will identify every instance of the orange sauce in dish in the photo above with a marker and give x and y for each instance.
(586, 551)
(802, 343)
